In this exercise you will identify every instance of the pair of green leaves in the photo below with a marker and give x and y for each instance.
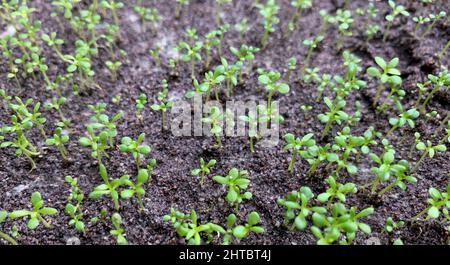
(36, 214)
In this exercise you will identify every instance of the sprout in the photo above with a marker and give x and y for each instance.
(396, 10)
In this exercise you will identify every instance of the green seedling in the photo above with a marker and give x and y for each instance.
(155, 54)
(269, 11)
(299, 146)
(242, 27)
(59, 139)
(334, 115)
(299, 7)
(100, 217)
(253, 121)
(396, 11)
(318, 154)
(164, 103)
(371, 31)
(74, 203)
(327, 19)
(141, 101)
(35, 215)
(298, 208)
(345, 21)
(192, 54)
(236, 181)
(230, 72)
(292, 64)
(212, 81)
(188, 227)
(311, 44)
(433, 18)
(390, 75)
(205, 169)
(439, 203)
(400, 171)
(108, 188)
(56, 104)
(8, 238)
(150, 14)
(438, 82)
(136, 189)
(113, 67)
(136, 148)
(311, 75)
(180, 4)
(405, 117)
(118, 231)
(242, 231)
(199, 89)
(428, 149)
(113, 6)
(270, 80)
(215, 118)
(336, 190)
(326, 80)
(219, 4)
(244, 54)
(390, 227)
(211, 40)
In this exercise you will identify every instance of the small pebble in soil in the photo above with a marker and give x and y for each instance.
(373, 241)
(73, 241)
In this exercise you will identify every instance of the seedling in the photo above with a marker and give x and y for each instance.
(137, 149)
(400, 171)
(141, 101)
(434, 18)
(405, 117)
(244, 54)
(58, 140)
(311, 44)
(299, 146)
(8, 238)
(396, 10)
(205, 168)
(318, 154)
(199, 89)
(334, 115)
(74, 210)
(428, 149)
(390, 75)
(269, 11)
(164, 103)
(242, 231)
(236, 181)
(230, 73)
(211, 41)
(118, 231)
(390, 227)
(180, 4)
(252, 121)
(192, 54)
(188, 227)
(439, 81)
(219, 4)
(113, 67)
(215, 118)
(242, 27)
(325, 81)
(150, 14)
(270, 80)
(438, 203)
(56, 104)
(345, 20)
(155, 54)
(108, 188)
(299, 6)
(136, 189)
(113, 6)
(292, 64)
(35, 215)
(336, 190)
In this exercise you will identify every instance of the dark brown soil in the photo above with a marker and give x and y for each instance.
(172, 184)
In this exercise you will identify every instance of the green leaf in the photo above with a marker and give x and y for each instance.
(33, 223)
(126, 194)
(433, 212)
(253, 218)
(283, 88)
(240, 232)
(48, 211)
(232, 195)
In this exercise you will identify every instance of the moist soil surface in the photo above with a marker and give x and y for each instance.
(172, 184)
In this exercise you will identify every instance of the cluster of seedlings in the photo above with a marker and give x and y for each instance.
(336, 151)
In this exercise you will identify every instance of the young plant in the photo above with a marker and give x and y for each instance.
(35, 215)
(58, 140)
(396, 10)
(269, 11)
(311, 44)
(433, 18)
(390, 227)
(345, 20)
(155, 54)
(219, 4)
(150, 14)
(8, 238)
(137, 149)
(56, 104)
(236, 181)
(108, 188)
(334, 115)
(118, 231)
(188, 227)
(252, 121)
(211, 40)
(292, 64)
(180, 4)
(405, 117)
(428, 149)
(439, 81)
(164, 104)
(141, 101)
(215, 118)
(390, 75)
(242, 231)
(74, 211)
(439, 202)
(299, 146)
(299, 6)
(192, 54)
(136, 189)
(205, 168)
(336, 190)
(270, 80)
(242, 27)
(113, 66)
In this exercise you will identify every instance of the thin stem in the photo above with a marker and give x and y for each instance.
(251, 144)
(428, 98)
(8, 238)
(377, 94)
(45, 223)
(386, 32)
(291, 164)
(387, 188)
(441, 54)
(419, 214)
(418, 162)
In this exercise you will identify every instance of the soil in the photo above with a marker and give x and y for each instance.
(172, 184)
